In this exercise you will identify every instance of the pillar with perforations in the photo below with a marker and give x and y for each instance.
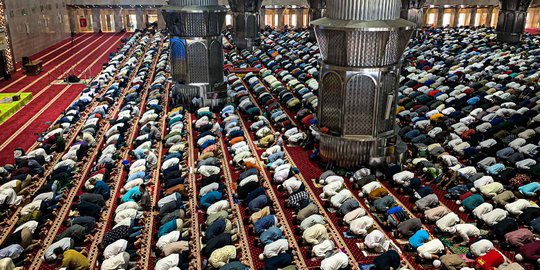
(196, 48)
(361, 44)
(316, 11)
(412, 10)
(512, 20)
(246, 22)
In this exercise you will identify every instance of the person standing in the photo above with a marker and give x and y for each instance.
(72, 38)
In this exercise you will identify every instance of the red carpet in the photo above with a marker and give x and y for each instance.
(49, 53)
(26, 136)
(533, 31)
(64, 57)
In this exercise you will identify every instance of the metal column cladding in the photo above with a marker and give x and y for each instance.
(512, 20)
(196, 45)
(316, 11)
(246, 20)
(412, 10)
(361, 44)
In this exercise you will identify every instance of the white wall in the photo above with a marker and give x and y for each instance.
(36, 24)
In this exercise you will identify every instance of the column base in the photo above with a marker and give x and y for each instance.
(353, 153)
(186, 92)
(506, 37)
(312, 37)
(245, 43)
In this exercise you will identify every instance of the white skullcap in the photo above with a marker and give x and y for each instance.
(437, 263)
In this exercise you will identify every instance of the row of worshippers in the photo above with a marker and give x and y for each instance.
(297, 66)
(259, 209)
(125, 235)
(311, 225)
(334, 262)
(87, 209)
(340, 199)
(221, 247)
(38, 209)
(173, 232)
(257, 204)
(470, 116)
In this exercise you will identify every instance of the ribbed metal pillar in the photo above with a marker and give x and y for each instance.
(512, 20)
(316, 11)
(412, 10)
(361, 43)
(246, 16)
(196, 48)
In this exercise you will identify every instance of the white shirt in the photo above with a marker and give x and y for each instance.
(335, 262)
(466, 230)
(493, 217)
(447, 221)
(167, 239)
(64, 243)
(354, 214)
(167, 199)
(482, 209)
(275, 248)
(30, 225)
(429, 248)
(217, 206)
(402, 177)
(333, 178)
(323, 247)
(127, 213)
(115, 262)
(168, 262)
(115, 248)
(340, 197)
(361, 225)
(331, 189)
(481, 247)
(208, 188)
(292, 185)
(376, 240)
(484, 180)
(367, 188)
(517, 207)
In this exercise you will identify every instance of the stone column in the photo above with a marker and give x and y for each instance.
(489, 16)
(118, 23)
(73, 20)
(474, 13)
(512, 19)
(454, 17)
(440, 16)
(161, 20)
(413, 11)
(299, 18)
(246, 22)
(141, 24)
(96, 19)
(262, 21)
(281, 18)
(359, 79)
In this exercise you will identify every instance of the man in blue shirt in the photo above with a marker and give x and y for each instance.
(101, 187)
(210, 198)
(134, 194)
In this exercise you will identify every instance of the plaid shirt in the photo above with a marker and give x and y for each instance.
(297, 199)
